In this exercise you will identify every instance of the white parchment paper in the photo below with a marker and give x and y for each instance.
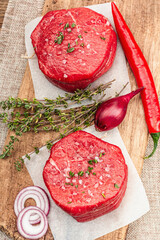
(135, 203)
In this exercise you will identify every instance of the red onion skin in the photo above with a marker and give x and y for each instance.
(112, 112)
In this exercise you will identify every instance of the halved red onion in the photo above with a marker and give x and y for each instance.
(26, 229)
(40, 197)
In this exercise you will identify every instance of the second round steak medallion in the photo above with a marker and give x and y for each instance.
(86, 176)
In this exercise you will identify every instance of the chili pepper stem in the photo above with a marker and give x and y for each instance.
(155, 137)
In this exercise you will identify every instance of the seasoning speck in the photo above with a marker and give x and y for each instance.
(80, 181)
(64, 61)
(65, 75)
(90, 168)
(95, 161)
(66, 26)
(73, 25)
(90, 193)
(71, 174)
(69, 50)
(116, 186)
(103, 195)
(80, 173)
(67, 180)
(90, 162)
(107, 169)
(82, 45)
(103, 38)
(67, 183)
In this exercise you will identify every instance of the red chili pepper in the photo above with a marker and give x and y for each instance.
(142, 74)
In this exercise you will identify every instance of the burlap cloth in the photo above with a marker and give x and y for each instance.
(18, 13)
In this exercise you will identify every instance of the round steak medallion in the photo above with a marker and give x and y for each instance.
(74, 47)
(86, 176)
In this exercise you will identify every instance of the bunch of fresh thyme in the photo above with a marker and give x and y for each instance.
(49, 115)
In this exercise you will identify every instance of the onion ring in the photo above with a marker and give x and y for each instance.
(26, 229)
(39, 196)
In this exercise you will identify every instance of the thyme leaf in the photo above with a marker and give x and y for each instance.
(116, 185)
(103, 38)
(73, 25)
(69, 50)
(66, 26)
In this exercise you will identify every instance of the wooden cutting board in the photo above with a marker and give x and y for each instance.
(143, 19)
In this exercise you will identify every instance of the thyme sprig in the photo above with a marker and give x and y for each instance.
(38, 115)
(49, 115)
(50, 104)
(76, 125)
(9, 147)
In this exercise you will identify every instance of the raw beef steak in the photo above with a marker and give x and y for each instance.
(86, 176)
(74, 47)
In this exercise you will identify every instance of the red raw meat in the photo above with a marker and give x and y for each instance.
(90, 35)
(81, 191)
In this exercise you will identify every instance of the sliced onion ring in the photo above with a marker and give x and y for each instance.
(26, 229)
(39, 196)
(34, 219)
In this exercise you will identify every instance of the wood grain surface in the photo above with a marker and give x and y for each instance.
(143, 19)
(3, 7)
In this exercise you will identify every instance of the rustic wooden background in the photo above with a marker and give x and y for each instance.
(143, 18)
(3, 6)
